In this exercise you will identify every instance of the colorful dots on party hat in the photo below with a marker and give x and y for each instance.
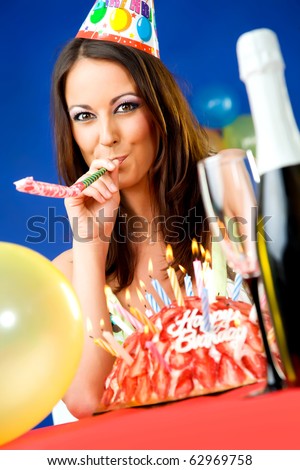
(127, 22)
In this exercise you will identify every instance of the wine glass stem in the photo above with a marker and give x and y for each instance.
(273, 378)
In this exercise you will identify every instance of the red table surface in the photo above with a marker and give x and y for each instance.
(231, 420)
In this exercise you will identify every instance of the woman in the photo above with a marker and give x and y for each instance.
(121, 109)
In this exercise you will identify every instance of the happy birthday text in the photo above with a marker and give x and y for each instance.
(137, 6)
(187, 329)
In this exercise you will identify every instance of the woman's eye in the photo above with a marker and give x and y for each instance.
(126, 107)
(83, 116)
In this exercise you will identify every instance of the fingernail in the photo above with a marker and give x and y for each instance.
(110, 165)
(113, 187)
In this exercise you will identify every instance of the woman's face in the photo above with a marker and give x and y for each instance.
(109, 119)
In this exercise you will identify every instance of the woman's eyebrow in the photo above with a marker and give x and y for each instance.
(130, 93)
(113, 101)
(85, 106)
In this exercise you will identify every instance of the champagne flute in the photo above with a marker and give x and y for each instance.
(230, 204)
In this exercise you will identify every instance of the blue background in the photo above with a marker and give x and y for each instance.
(197, 42)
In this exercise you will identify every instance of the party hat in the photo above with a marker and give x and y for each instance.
(128, 22)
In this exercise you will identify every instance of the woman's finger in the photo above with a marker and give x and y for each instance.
(108, 182)
(95, 166)
(102, 163)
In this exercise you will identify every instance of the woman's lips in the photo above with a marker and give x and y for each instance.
(121, 159)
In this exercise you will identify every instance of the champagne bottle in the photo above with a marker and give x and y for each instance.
(261, 68)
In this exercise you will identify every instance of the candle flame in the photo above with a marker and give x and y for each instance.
(195, 249)
(140, 295)
(101, 323)
(150, 267)
(143, 286)
(202, 250)
(110, 296)
(146, 329)
(207, 257)
(182, 268)
(169, 254)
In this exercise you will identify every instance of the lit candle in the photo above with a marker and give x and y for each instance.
(104, 345)
(121, 352)
(157, 286)
(143, 319)
(237, 286)
(98, 341)
(116, 316)
(124, 314)
(197, 265)
(127, 315)
(208, 277)
(148, 312)
(187, 283)
(173, 278)
(150, 299)
(205, 310)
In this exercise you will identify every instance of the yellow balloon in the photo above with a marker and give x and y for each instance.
(41, 338)
(120, 19)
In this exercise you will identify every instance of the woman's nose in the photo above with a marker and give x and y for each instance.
(108, 133)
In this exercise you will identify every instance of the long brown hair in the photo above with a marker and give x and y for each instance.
(173, 176)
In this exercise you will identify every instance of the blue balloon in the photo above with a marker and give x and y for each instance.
(216, 106)
(144, 29)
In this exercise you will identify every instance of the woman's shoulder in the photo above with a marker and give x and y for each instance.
(64, 262)
(64, 257)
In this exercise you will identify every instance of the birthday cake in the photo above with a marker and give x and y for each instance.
(183, 358)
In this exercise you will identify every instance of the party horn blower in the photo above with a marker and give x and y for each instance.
(39, 188)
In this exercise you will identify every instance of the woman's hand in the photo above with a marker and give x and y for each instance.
(92, 214)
